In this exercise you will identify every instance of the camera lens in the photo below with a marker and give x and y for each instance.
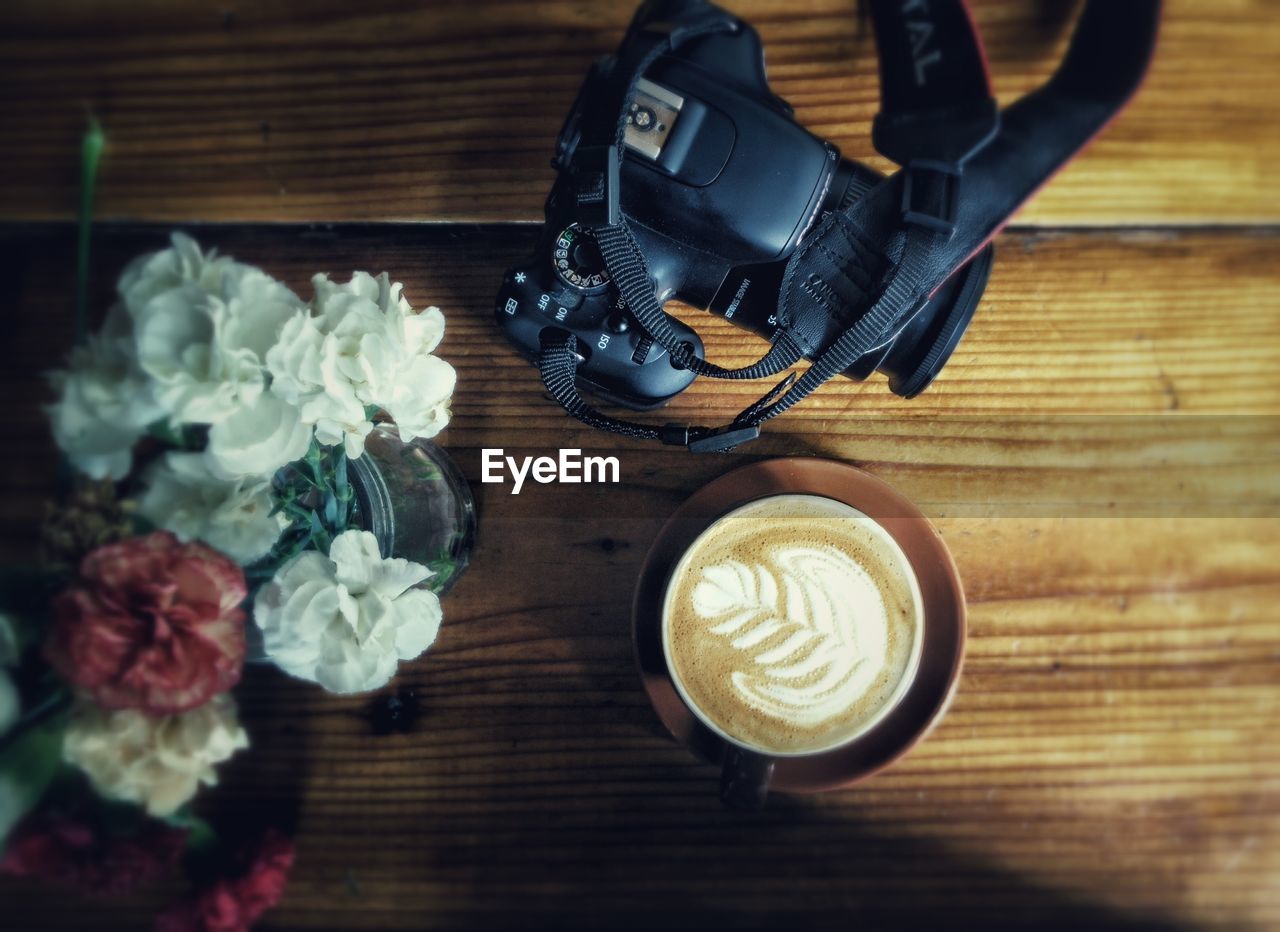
(919, 352)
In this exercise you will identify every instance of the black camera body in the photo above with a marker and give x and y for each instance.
(719, 185)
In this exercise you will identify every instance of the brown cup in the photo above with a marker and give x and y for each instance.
(747, 775)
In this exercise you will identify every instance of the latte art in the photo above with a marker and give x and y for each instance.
(791, 624)
(832, 650)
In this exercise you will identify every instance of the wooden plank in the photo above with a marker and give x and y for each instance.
(1109, 761)
(429, 111)
(1047, 407)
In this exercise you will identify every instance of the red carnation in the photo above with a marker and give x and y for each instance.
(235, 903)
(64, 849)
(153, 624)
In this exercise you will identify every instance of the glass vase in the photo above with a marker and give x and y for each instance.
(413, 498)
(415, 502)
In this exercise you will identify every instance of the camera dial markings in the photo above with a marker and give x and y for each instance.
(577, 259)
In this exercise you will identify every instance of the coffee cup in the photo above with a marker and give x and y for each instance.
(800, 623)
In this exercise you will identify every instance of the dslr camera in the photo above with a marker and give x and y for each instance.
(720, 186)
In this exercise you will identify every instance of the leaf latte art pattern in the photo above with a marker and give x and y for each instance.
(811, 624)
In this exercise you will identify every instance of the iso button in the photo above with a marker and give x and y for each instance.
(615, 344)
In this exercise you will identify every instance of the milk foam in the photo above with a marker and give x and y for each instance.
(791, 623)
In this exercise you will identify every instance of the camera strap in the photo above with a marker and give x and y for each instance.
(594, 171)
(966, 169)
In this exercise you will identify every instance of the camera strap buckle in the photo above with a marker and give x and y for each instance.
(595, 172)
(931, 195)
(724, 439)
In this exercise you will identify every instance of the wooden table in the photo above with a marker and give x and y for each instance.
(1101, 456)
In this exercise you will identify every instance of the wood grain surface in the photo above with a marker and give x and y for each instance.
(1102, 455)
(1101, 458)
(411, 110)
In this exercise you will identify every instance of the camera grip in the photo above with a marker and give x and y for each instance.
(619, 361)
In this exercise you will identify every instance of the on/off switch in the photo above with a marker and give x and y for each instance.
(617, 322)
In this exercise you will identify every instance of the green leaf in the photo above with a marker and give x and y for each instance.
(164, 432)
(426, 471)
(442, 570)
(27, 767)
(298, 511)
(201, 836)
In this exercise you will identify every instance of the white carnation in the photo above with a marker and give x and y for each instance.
(105, 401)
(257, 439)
(157, 762)
(184, 263)
(346, 620)
(198, 378)
(181, 494)
(363, 346)
(419, 400)
(306, 371)
(203, 325)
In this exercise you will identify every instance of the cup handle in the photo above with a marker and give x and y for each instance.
(744, 778)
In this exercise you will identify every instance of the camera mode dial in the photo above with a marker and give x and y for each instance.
(577, 260)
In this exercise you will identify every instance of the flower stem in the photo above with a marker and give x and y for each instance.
(90, 156)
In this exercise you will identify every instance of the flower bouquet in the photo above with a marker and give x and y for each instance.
(218, 425)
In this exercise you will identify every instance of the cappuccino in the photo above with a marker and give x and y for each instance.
(792, 625)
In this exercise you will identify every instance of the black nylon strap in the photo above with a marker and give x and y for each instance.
(594, 166)
(629, 272)
(630, 275)
(933, 72)
(558, 365)
(648, 39)
(1034, 137)
(930, 56)
(902, 295)
(1043, 131)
